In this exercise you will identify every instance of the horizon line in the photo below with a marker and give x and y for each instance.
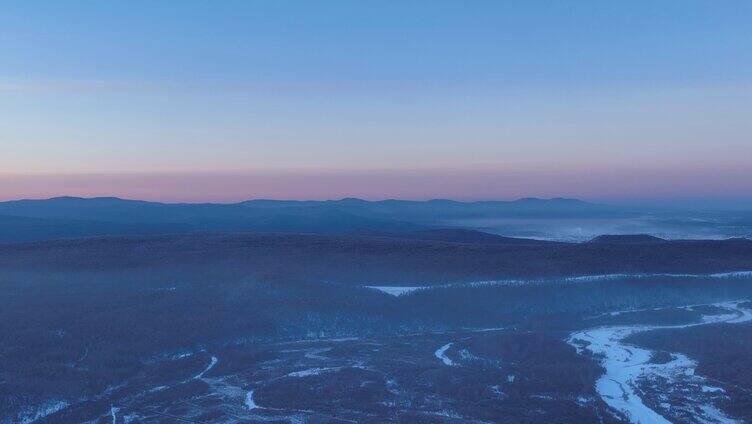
(686, 204)
(270, 199)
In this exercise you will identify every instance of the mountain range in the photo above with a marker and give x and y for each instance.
(66, 217)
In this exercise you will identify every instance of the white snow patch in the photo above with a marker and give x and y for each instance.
(712, 415)
(496, 390)
(395, 291)
(543, 397)
(735, 274)
(448, 413)
(441, 354)
(211, 365)
(404, 290)
(466, 355)
(315, 353)
(310, 372)
(181, 355)
(392, 386)
(131, 418)
(606, 277)
(159, 289)
(249, 403)
(48, 408)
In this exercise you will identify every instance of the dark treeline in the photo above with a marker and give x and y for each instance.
(489, 305)
(376, 260)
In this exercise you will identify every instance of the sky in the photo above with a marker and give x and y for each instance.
(232, 100)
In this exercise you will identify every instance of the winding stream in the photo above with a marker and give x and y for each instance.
(628, 367)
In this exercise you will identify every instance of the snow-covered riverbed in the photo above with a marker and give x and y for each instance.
(627, 367)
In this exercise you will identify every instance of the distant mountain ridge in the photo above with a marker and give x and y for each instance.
(275, 202)
(60, 217)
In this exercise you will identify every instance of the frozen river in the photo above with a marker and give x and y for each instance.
(629, 369)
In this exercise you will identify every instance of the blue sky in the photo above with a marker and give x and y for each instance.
(652, 96)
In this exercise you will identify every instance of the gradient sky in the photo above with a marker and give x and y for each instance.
(229, 100)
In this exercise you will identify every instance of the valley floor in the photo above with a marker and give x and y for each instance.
(511, 375)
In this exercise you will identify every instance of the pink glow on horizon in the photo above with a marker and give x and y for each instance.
(403, 184)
